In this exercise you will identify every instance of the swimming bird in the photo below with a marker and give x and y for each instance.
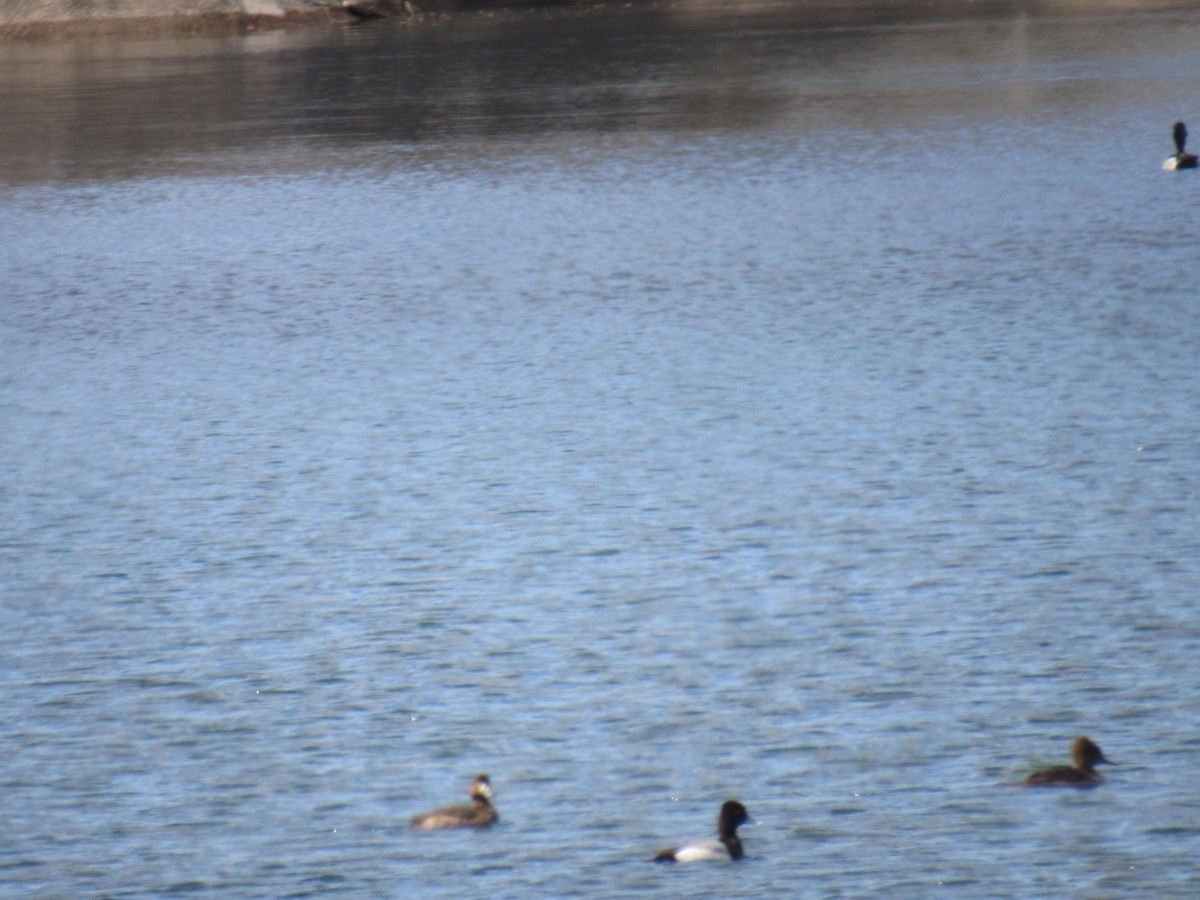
(1181, 159)
(479, 814)
(728, 845)
(1085, 754)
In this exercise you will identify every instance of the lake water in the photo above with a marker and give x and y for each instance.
(645, 409)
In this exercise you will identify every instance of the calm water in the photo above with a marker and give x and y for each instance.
(644, 410)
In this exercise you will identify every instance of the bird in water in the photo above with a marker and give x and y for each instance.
(1085, 754)
(1181, 158)
(478, 814)
(728, 845)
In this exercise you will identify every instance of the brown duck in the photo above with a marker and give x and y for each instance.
(1085, 754)
(478, 814)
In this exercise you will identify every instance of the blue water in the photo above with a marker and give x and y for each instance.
(644, 411)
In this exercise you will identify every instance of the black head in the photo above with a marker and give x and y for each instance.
(732, 815)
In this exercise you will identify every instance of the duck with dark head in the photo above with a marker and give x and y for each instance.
(1085, 755)
(1181, 159)
(726, 848)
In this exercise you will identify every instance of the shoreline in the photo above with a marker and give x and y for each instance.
(40, 20)
(36, 20)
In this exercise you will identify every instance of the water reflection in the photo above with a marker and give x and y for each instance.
(102, 109)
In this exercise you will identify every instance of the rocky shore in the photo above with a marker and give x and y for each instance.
(72, 18)
(51, 18)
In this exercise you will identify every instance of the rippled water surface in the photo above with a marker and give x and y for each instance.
(646, 410)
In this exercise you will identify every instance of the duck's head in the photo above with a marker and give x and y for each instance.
(1086, 754)
(481, 787)
(732, 815)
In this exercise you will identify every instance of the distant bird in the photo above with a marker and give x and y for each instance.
(728, 845)
(1085, 754)
(479, 814)
(1181, 159)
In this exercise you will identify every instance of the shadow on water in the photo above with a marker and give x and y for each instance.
(106, 108)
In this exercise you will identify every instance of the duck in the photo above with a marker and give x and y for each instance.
(1181, 158)
(1085, 754)
(726, 848)
(479, 814)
